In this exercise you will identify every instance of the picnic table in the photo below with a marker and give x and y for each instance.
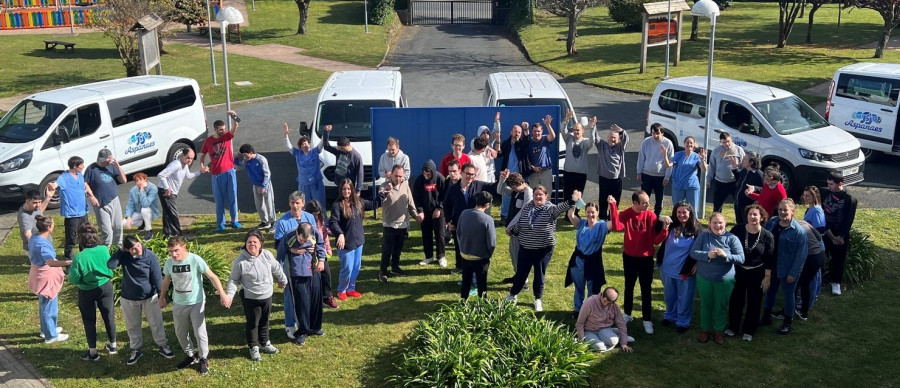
(51, 44)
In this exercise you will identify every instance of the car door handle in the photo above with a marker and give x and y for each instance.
(702, 126)
(104, 136)
(886, 110)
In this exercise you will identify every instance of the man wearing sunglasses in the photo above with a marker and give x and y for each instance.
(601, 324)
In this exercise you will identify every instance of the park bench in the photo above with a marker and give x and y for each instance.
(51, 44)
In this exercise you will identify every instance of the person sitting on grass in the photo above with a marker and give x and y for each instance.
(307, 261)
(255, 269)
(143, 205)
(596, 319)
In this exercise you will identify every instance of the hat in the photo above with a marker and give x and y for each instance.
(483, 129)
(103, 155)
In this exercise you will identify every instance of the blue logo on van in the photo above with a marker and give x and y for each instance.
(865, 121)
(138, 142)
(740, 141)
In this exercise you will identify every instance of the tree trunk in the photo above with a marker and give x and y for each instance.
(570, 36)
(303, 9)
(809, 26)
(781, 16)
(885, 37)
(802, 10)
(694, 28)
(188, 28)
(786, 19)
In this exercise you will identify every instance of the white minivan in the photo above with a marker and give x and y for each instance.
(344, 103)
(770, 121)
(863, 101)
(145, 121)
(528, 89)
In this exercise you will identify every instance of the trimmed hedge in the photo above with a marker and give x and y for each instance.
(491, 343)
(381, 12)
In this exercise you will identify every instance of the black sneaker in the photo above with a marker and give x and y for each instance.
(301, 340)
(507, 280)
(135, 356)
(382, 277)
(785, 329)
(681, 329)
(166, 352)
(263, 226)
(803, 316)
(399, 272)
(111, 349)
(204, 366)
(778, 314)
(190, 360)
(319, 332)
(87, 356)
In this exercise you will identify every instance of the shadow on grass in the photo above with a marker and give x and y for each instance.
(347, 13)
(384, 363)
(78, 53)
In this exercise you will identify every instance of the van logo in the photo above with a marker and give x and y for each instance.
(740, 141)
(865, 121)
(138, 142)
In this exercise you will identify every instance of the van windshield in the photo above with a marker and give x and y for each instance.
(561, 102)
(790, 115)
(350, 119)
(28, 121)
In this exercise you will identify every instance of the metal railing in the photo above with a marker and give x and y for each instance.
(451, 12)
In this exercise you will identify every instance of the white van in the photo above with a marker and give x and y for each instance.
(145, 122)
(344, 103)
(528, 89)
(863, 101)
(772, 122)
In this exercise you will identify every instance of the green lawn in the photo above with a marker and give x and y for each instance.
(27, 68)
(845, 342)
(744, 48)
(335, 30)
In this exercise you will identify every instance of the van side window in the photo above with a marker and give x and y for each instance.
(736, 116)
(143, 106)
(678, 101)
(84, 121)
(882, 91)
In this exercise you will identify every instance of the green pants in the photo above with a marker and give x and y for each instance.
(714, 297)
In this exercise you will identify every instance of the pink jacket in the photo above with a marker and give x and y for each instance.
(45, 280)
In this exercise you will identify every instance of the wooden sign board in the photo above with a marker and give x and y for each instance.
(661, 26)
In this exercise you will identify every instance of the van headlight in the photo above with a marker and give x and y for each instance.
(812, 155)
(16, 163)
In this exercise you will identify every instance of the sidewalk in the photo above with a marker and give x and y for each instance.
(16, 373)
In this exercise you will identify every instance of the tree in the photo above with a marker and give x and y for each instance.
(815, 4)
(890, 12)
(116, 18)
(303, 8)
(787, 16)
(189, 12)
(571, 9)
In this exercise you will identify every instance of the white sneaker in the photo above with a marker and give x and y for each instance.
(600, 347)
(427, 261)
(538, 306)
(290, 332)
(630, 339)
(748, 337)
(59, 338)
(442, 262)
(729, 332)
(628, 318)
(58, 330)
(512, 298)
(835, 289)
(648, 327)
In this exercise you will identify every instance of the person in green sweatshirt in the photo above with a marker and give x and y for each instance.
(91, 275)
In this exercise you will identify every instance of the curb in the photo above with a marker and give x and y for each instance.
(261, 99)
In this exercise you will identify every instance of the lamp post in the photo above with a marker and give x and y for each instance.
(226, 16)
(707, 9)
(212, 58)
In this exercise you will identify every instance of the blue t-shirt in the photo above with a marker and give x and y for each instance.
(102, 181)
(72, 203)
(513, 165)
(815, 216)
(40, 249)
(684, 171)
(539, 152)
(307, 166)
(589, 240)
(678, 248)
(287, 223)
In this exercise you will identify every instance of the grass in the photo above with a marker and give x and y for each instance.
(335, 30)
(28, 68)
(364, 336)
(744, 48)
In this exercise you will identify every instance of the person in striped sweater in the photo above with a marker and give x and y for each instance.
(535, 226)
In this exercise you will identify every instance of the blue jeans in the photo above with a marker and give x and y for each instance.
(679, 296)
(290, 320)
(313, 191)
(351, 261)
(504, 205)
(225, 194)
(815, 287)
(49, 312)
(578, 279)
(790, 295)
(691, 195)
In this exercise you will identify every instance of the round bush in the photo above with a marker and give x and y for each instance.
(629, 13)
(491, 343)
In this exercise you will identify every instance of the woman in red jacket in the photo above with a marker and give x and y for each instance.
(771, 192)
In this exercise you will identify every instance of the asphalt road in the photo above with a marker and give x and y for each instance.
(447, 66)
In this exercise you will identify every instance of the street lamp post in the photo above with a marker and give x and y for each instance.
(707, 9)
(226, 16)
(212, 58)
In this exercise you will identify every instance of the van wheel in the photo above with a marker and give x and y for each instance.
(54, 201)
(787, 179)
(175, 151)
(675, 146)
(870, 154)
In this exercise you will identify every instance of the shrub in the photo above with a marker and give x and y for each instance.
(491, 343)
(381, 12)
(862, 259)
(159, 245)
(628, 13)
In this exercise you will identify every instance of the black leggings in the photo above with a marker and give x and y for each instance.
(653, 184)
(257, 313)
(538, 259)
(747, 292)
(89, 301)
(638, 268)
(71, 232)
(810, 269)
(608, 187)
(433, 236)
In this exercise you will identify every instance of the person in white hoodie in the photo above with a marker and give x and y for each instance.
(255, 270)
(391, 157)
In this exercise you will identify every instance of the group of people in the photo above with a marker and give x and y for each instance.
(451, 200)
